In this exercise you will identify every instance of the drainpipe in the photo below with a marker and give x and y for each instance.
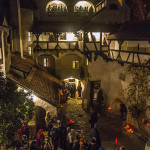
(20, 31)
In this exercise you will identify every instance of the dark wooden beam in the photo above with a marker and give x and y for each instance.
(94, 40)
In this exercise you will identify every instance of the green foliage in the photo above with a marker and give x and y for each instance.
(134, 110)
(15, 105)
(138, 91)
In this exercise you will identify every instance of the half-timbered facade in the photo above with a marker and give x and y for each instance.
(85, 40)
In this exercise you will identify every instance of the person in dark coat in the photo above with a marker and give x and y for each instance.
(93, 145)
(93, 119)
(55, 136)
(63, 137)
(71, 91)
(25, 129)
(81, 145)
(79, 89)
(123, 111)
(50, 125)
(95, 134)
(33, 145)
(74, 90)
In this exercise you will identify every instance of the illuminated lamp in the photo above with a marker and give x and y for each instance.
(109, 108)
(116, 141)
(148, 124)
(131, 131)
(69, 36)
(128, 126)
(71, 121)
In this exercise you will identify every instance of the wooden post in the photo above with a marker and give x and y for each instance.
(100, 41)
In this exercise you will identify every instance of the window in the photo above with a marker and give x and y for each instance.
(46, 62)
(63, 36)
(87, 62)
(29, 36)
(29, 50)
(75, 64)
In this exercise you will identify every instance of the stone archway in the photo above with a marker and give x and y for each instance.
(56, 6)
(116, 106)
(84, 4)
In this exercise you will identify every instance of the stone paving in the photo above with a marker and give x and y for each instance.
(109, 126)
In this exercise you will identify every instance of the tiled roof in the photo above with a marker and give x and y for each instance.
(136, 30)
(99, 27)
(23, 64)
(55, 27)
(40, 83)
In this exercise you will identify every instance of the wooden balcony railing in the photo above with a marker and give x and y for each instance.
(56, 45)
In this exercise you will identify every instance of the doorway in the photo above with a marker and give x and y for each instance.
(74, 88)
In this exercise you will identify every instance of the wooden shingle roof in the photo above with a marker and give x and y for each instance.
(23, 64)
(39, 81)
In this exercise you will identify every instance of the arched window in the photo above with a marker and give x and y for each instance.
(113, 6)
(84, 7)
(56, 7)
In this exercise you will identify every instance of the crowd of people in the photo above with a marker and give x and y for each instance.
(70, 91)
(63, 9)
(57, 9)
(83, 9)
(64, 135)
(23, 136)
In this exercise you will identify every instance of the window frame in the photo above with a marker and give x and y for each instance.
(74, 64)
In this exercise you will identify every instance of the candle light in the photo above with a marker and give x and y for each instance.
(71, 121)
(109, 108)
(148, 124)
(116, 141)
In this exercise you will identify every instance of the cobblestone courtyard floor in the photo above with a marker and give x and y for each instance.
(109, 126)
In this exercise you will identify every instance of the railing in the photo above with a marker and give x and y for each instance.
(82, 13)
(57, 13)
(130, 57)
(57, 45)
(101, 5)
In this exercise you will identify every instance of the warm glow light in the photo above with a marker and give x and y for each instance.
(128, 126)
(54, 3)
(109, 108)
(83, 4)
(116, 140)
(34, 97)
(148, 124)
(70, 36)
(71, 121)
(25, 91)
(95, 34)
(129, 129)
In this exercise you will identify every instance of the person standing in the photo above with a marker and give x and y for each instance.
(25, 129)
(95, 134)
(93, 119)
(93, 145)
(74, 90)
(63, 136)
(55, 136)
(81, 145)
(71, 137)
(79, 89)
(40, 140)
